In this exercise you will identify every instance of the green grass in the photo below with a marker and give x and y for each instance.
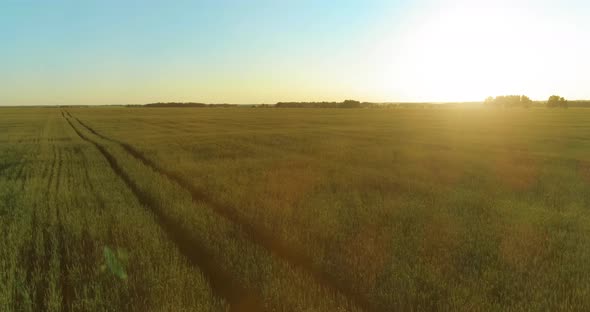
(61, 207)
(294, 209)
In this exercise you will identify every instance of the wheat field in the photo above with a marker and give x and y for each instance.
(267, 209)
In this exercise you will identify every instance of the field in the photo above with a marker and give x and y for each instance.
(244, 209)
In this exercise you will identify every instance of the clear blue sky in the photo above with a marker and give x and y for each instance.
(107, 52)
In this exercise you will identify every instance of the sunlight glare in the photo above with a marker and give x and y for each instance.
(467, 52)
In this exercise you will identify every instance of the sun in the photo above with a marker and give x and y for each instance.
(467, 52)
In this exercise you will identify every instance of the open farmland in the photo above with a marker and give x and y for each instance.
(240, 209)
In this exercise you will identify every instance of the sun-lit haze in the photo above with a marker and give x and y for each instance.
(119, 52)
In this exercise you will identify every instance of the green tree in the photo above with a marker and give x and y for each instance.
(557, 101)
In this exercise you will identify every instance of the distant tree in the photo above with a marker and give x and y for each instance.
(351, 104)
(557, 101)
(525, 101)
(345, 104)
(507, 101)
(553, 101)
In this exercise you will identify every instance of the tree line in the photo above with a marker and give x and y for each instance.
(503, 101)
(344, 104)
(187, 104)
(508, 101)
(557, 101)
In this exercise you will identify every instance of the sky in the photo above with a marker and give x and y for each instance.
(65, 52)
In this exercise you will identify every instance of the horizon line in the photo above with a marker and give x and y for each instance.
(244, 104)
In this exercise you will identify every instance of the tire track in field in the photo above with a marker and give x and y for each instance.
(67, 292)
(222, 283)
(27, 254)
(39, 265)
(20, 175)
(263, 238)
(54, 239)
(47, 225)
